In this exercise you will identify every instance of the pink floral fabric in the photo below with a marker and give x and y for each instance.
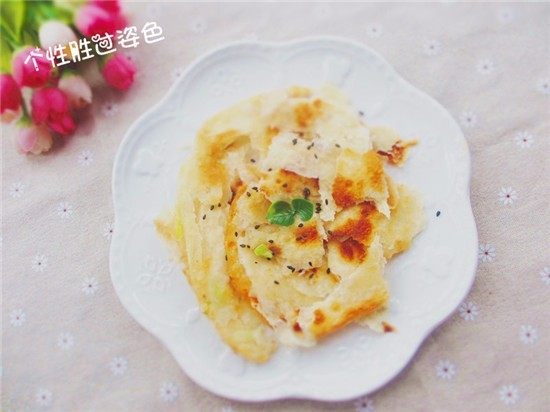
(69, 345)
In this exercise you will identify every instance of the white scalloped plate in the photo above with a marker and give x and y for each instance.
(427, 283)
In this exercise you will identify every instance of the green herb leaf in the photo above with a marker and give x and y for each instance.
(304, 208)
(263, 251)
(280, 213)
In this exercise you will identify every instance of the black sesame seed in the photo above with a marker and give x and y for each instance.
(255, 188)
(270, 241)
(337, 145)
(310, 146)
(203, 217)
(270, 169)
(326, 202)
(257, 227)
(315, 156)
(328, 270)
(310, 276)
(276, 282)
(248, 246)
(212, 207)
(236, 234)
(438, 213)
(226, 258)
(301, 225)
(242, 245)
(294, 141)
(285, 184)
(291, 268)
(252, 160)
(256, 263)
(361, 113)
(306, 192)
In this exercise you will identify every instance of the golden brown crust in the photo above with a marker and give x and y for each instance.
(345, 317)
(238, 280)
(363, 175)
(398, 152)
(306, 113)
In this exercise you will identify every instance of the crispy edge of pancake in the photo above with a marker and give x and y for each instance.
(245, 331)
(407, 221)
(238, 280)
(389, 144)
(363, 292)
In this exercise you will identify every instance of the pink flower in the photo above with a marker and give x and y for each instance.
(50, 106)
(10, 98)
(76, 89)
(34, 139)
(25, 74)
(112, 6)
(94, 19)
(119, 72)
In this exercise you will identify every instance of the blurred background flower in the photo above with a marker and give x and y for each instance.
(34, 36)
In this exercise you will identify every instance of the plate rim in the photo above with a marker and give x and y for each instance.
(132, 134)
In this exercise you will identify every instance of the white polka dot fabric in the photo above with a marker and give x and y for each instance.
(68, 345)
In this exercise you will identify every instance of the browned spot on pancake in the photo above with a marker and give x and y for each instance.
(289, 183)
(349, 190)
(398, 152)
(211, 167)
(235, 186)
(294, 180)
(276, 250)
(343, 193)
(296, 327)
(351, 250)
(361, 309)
(306, 234)
(358, 229)
(272, 131)
(319, 317)
(254, 299)
(387, 327)
(306, 113)
(375, 170)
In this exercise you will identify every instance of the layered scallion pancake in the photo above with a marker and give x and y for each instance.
(286, 218)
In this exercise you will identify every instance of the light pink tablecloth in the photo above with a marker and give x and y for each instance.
(69, 345)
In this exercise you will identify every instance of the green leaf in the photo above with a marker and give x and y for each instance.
(280, 213)
(5, 55)
(263, 251)
(12, 17)
(304, 208)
